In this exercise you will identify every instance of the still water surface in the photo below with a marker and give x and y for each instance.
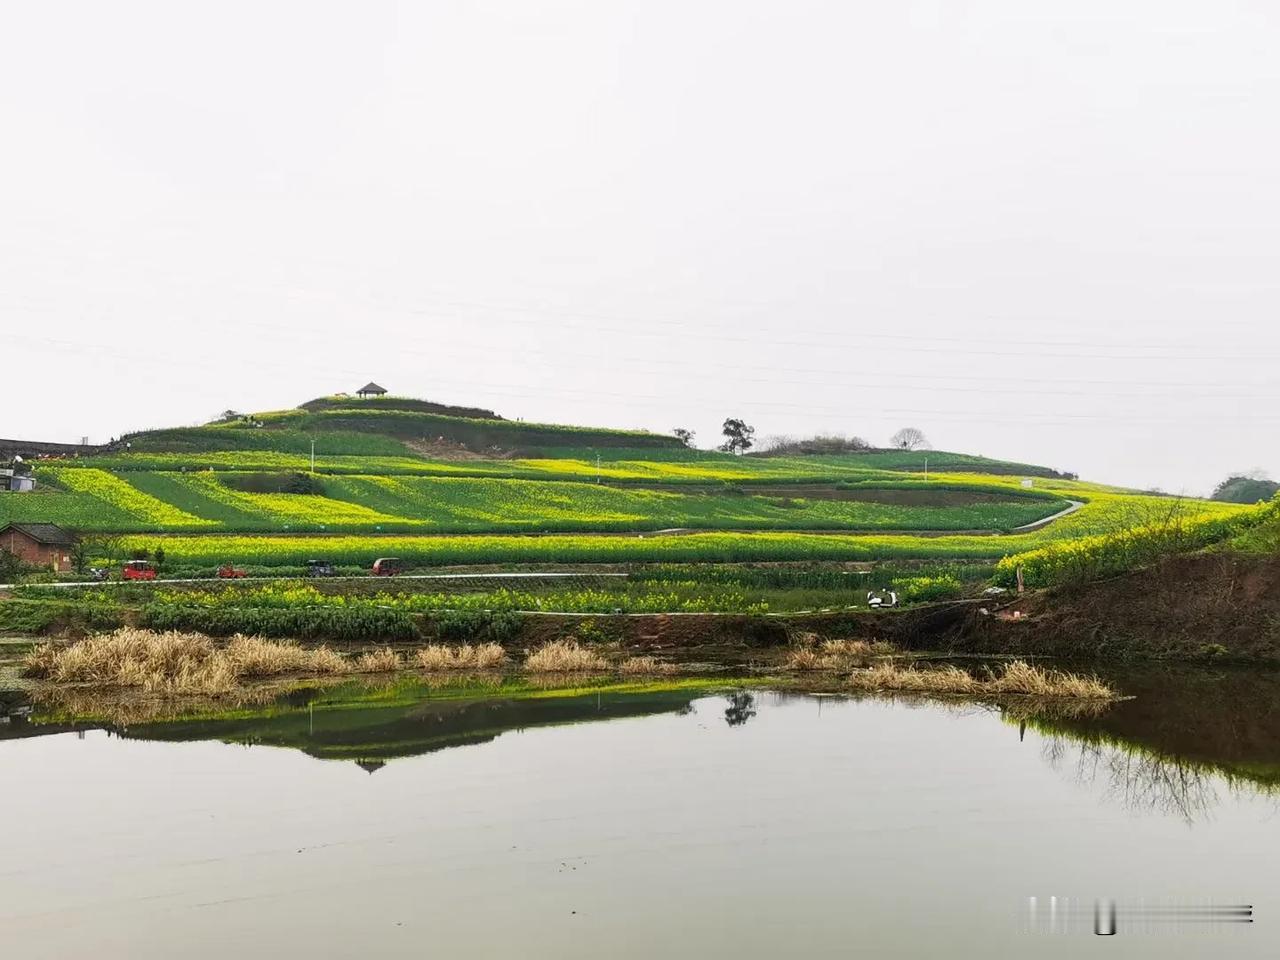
(675, 823)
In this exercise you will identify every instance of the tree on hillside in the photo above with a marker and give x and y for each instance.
(11, 567)
(683, 435)
(1246, 489)
(93, 547)
(738, 436)
(909, 438)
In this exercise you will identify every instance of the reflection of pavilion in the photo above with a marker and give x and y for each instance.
(371, 766)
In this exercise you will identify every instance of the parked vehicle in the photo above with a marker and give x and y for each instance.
(388, 566)
(228, 572)
(98, 573)
(138, 570)
(321, 568)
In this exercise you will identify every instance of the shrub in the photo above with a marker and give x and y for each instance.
(364, 622)
(927, 589)
(485, 626)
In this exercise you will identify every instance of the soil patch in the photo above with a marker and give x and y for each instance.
(441, 449)
(1208, 606)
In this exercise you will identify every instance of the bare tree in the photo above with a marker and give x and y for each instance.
(909, 438)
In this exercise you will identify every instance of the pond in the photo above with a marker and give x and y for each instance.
(647, 821)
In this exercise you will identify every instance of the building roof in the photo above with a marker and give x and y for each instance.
(49, 534)
(371, 387)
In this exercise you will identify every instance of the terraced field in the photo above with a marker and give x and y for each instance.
(719, 547)
(93, 499)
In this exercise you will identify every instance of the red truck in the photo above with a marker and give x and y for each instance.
(138, 570)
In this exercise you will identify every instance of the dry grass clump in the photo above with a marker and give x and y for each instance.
(564, 656)
(645, 665)
(805, 658)
(891, 676)
(485, 656)
(175, 661)
(836, 654)
(382, 660)
(1018, 677)
(253, 657)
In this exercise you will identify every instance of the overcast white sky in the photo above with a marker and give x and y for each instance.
(1039, 231)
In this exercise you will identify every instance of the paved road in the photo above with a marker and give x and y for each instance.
(1029, 527)
(411, 576)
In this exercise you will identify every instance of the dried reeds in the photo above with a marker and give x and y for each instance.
(175, 661)
(647, 666)
(836, 654)
(1021, 677)
(564, 656)
(1017, 677)
(382, 660)
(485, 656)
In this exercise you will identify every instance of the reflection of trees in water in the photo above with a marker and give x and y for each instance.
(741, 708)
(1144, 781)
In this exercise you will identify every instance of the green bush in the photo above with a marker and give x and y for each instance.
(357, 622)
(927, 589)
(39, 616)
(476, 626)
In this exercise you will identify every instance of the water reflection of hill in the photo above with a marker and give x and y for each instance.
(372, 729)
(1184, 734)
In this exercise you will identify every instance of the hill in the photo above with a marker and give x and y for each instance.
(387, 426)
(441, 484)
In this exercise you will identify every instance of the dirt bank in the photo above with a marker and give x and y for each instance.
(1218, 605)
